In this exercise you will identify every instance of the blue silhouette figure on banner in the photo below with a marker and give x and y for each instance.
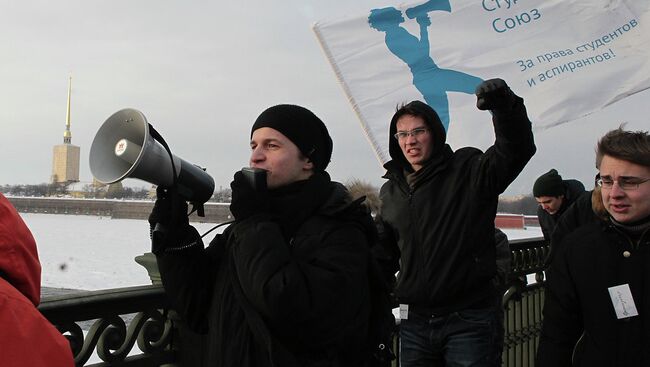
(432, 81)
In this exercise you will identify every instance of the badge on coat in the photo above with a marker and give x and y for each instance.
(622, 301)
(403, 311)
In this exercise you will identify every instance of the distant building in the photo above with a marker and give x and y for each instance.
(65, 160)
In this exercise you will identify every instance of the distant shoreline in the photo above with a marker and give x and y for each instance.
(116, 209)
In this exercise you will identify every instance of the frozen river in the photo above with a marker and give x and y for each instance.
(91, 253)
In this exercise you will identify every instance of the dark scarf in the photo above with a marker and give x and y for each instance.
(634, 230)
(293, 204)
(431, 167)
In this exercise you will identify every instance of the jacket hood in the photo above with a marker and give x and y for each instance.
(342, 204)
(19, 264)
(597, 204)
(573, 189)
(431, 119)
(359, 189)
(337, 201)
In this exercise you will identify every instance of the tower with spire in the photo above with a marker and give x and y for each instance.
(65, 163)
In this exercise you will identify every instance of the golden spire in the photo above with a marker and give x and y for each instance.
(67, 135)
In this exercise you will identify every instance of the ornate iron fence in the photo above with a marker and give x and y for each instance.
(121, 318)
(523, 302)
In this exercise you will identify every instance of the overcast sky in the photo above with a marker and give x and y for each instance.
(201, 72)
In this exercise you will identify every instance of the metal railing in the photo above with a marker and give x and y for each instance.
(121, 318)
(523, 302)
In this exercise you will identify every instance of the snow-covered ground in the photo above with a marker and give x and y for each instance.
(91, 253)
(528, 232)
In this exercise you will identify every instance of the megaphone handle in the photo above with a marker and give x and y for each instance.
(154, 133)
(158, 238)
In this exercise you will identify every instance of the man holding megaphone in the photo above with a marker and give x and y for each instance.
(287, 283)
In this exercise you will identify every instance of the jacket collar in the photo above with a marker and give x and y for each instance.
(398, 171)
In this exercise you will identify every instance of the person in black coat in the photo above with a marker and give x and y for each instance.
(599, 283)
(587, 208)
(438, 210)
(287, 283)
(554, 196)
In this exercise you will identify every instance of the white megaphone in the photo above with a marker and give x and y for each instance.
(127, 146)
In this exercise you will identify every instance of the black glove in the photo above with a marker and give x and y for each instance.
(168, 220)
(494, 94)
(246, 201)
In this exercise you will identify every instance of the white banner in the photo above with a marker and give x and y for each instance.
(567, 59)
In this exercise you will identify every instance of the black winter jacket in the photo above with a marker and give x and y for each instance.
(311, 292)
(440, 230)
(572, 191)
(590, 260)
(578, 214)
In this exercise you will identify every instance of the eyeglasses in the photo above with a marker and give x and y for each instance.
(401, 135)
(625, 183)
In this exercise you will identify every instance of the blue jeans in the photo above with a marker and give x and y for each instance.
(459, 339)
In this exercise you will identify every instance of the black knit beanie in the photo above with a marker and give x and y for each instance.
(548, 184)
(303, 128)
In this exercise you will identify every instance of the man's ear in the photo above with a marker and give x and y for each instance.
(308, 165)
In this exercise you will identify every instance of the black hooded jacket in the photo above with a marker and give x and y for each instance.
(310, 291)
(439, 229)
(572, 190)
